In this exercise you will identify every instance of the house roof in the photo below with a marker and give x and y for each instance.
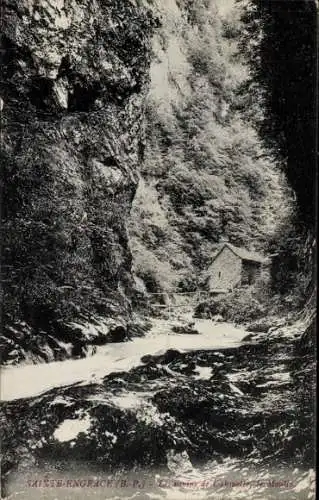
(243, 254)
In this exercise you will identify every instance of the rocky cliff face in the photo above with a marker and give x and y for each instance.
(74, 78)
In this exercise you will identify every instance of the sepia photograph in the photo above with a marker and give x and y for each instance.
(158, 247)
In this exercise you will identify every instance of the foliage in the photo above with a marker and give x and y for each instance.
(279, 39)
(205, 168)
(239, 306)
(293, 272)
(57, 257)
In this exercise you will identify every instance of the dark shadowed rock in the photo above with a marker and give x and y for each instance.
(148, 359)
(186, 329)
(170, 356)
(118, 334)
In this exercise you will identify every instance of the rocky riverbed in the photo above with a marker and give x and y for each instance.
(191, 418)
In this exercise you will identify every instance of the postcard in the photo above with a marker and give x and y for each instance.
(158, 248)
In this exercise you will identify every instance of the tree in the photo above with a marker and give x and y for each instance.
(280, 39)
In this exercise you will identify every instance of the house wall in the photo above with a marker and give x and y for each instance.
(250, 272)
(225, 271)
(255, 271)
(265, 276)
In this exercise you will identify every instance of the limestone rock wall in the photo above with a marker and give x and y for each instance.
(74, 77)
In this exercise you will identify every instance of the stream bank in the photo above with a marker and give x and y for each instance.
(174, 413)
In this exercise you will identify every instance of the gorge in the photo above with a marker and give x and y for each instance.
(135, 135)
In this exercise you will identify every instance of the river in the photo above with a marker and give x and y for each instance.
(204, 416)
(24, 381)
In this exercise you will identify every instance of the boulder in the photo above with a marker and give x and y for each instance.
(118, 334)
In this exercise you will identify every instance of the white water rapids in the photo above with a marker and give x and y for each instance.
(24, 381)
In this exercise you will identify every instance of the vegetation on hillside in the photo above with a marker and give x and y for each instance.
(206, 172)
(279, 42)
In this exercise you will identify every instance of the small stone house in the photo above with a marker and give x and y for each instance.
(232, 267)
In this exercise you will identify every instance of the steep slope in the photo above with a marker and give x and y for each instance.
(206, 173)
(74, 77)
(280, 40)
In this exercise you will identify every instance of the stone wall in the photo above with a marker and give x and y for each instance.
(225, 270)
